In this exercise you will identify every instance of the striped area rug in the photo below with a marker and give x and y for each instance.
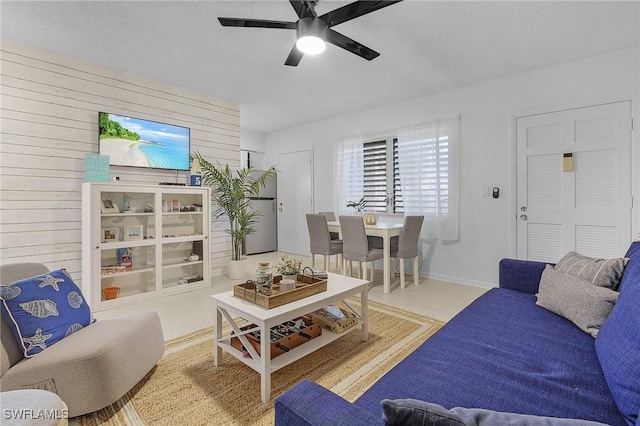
(186, 388)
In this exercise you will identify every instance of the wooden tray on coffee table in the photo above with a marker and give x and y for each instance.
(305, 287)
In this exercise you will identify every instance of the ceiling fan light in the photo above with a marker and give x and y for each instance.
(312, 33)
(311, 45)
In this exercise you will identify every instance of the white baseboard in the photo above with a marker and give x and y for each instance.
(458, 280)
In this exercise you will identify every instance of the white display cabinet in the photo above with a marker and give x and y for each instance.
(143, 241)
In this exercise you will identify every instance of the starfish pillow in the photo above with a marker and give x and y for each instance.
(43, 310)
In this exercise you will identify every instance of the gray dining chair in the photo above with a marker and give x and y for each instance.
(331, 217)
(356, 246)
(320, 241)
(406, 246)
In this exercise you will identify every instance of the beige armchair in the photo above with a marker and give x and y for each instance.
(89, 369)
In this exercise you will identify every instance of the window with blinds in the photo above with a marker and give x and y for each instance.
(382, 190)
(429, 172)
(427, 161)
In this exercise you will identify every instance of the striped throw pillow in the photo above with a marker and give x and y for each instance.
(601, 272)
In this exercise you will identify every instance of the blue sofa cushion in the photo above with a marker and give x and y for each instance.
(412, 412)
(584, 304)
(618, 343)
(42, 310)
(504, 353)
(309, 404)
(601, 272)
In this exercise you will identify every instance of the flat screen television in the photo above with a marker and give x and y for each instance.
(134, 142)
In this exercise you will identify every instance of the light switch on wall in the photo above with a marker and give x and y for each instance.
(486, 191)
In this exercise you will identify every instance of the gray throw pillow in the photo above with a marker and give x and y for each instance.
(584, 304)
(601, 272)
(413, 412)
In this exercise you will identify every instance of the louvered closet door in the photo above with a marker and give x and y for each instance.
(587, 210)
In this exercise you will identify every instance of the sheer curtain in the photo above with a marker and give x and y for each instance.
(349, 179)
(429, 175)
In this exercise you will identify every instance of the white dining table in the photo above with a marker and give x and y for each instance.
(386, 230)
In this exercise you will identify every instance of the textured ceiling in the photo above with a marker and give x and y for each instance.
(425, 47)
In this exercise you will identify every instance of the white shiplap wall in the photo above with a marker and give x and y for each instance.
(49, 107)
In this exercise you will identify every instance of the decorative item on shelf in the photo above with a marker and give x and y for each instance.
(196, 174)
(288, 284)
(358, 205)
(108, 235)
(289, 267)
(231, 193)
(109, 206)
(126, 204)
(334, 318)
(283, 337)
(110, 292)
(370, 218)
(125, 257)
(190, 256)
(147, 207)
(165, 207)
(175, 205)
(133, 232)
(189, 279)
(264, 278)
(112, 269)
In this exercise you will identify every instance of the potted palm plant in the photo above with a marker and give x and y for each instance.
(230, 192)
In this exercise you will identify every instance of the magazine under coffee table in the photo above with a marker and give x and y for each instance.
(339, 287)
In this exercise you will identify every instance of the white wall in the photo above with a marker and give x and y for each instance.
(49, 121)
(487, 227)
(251, 141)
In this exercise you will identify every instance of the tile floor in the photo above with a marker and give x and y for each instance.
(186, 312)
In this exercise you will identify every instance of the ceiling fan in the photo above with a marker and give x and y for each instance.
(314, 30)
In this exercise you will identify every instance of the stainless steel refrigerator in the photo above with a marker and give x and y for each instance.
(265, 237)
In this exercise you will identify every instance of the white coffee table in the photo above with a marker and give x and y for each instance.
(226, 305)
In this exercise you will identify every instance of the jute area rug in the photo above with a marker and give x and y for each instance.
(187, 389)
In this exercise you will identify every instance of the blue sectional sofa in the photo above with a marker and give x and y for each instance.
(506, 354)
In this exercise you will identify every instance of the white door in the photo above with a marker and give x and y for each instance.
(574, 182)
(295, 200)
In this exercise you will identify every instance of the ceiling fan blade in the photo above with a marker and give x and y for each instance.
(302, 8)
(350, 45)
(258, 23)
(354, 10)
(294, 57)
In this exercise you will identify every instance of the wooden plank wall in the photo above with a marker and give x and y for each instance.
(49, 107)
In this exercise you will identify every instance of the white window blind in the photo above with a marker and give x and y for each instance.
(428, 162)
(427, 175)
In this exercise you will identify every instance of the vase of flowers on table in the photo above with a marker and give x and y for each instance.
(289, 267)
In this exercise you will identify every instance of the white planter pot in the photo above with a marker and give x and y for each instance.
(237, 269)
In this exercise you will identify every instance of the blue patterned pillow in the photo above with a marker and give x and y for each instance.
(42, 310)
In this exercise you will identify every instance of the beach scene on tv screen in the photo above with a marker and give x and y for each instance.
(141, 143)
